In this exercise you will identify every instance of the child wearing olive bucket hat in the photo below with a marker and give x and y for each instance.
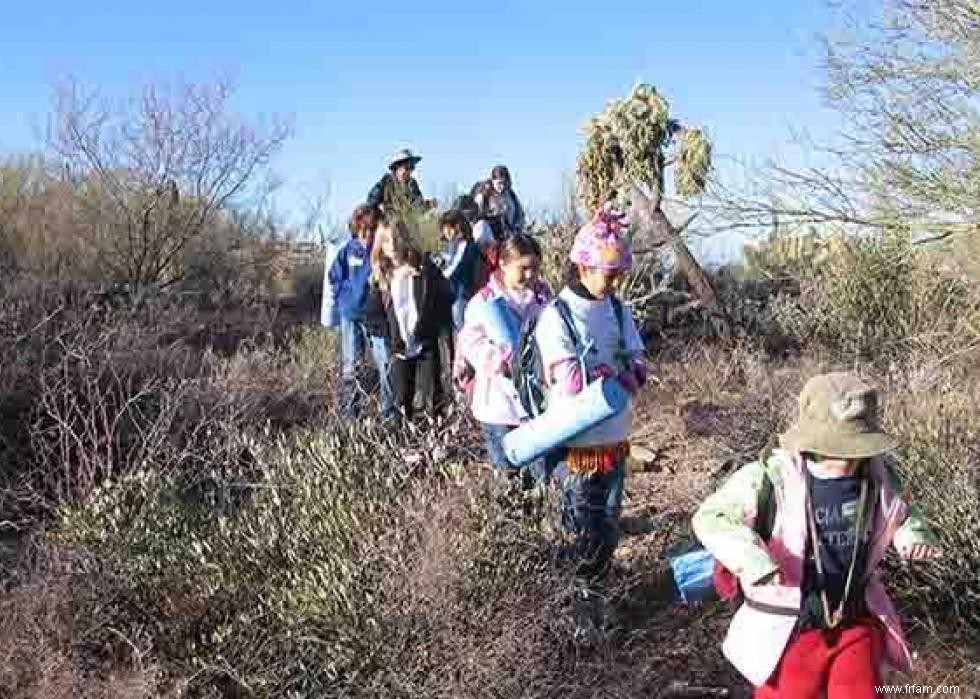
(816, 620)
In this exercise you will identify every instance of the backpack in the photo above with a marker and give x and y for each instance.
(529, 372)
(726, 583)
(700, 577)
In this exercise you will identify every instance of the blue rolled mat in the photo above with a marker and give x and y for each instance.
(694, 576)
(598, 401)
(501, 323)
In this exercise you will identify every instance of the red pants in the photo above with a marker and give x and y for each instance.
(844, 663)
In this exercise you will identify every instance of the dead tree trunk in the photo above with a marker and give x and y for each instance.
(655, 228)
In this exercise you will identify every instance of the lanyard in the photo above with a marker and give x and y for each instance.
(834, 620)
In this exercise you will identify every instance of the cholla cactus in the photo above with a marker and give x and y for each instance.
(694, 163)
(634, 133)
(596, 165)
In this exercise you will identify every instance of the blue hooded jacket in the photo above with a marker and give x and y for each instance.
(350, 276)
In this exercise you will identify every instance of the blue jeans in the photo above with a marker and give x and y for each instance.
(591, 508)
(542, 468)
(459, 311)
(354, 341)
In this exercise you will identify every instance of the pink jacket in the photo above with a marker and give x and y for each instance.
(493, 397)
(757, 638)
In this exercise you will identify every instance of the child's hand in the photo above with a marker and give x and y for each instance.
(921, 552)
(602, 371)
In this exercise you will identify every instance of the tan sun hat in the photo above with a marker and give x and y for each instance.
(838, 418)
(403, 155)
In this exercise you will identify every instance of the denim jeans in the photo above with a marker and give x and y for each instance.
(354, 343)
(591, 508)
(542, 468)
(459, 312)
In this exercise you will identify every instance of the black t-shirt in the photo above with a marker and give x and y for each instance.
(835, 504)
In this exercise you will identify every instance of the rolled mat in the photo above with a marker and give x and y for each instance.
(501, 323)
(598, 401)
(694, 576)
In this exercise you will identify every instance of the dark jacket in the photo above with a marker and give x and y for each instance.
(516, 221)
(375, 316)
(463, 276)
(435, 308)
(349, 277)
(388, 195)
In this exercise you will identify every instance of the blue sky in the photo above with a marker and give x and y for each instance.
(466, 84)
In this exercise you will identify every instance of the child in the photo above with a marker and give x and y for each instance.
(488, 364)
(349, 278)
(497, 198)
(488, 233)
(605, 344)
(463, 261)
(418, 305)
(816, 619)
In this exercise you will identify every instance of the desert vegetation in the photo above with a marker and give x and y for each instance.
(183, 514)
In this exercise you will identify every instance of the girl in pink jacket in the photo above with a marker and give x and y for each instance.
(484, 364)
(816, 620)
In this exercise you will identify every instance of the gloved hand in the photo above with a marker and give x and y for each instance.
(601, 371)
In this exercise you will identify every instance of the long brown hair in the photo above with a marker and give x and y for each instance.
(404, 248)
(501, 172)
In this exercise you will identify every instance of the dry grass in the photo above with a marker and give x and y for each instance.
(444, 594)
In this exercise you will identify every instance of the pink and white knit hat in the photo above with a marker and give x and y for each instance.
(600, 242)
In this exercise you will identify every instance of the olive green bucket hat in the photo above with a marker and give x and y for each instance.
(838, 418)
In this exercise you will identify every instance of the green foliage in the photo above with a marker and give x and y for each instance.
(694, 162)
(426, 227)
(939, 429)
(634, 133)
(881, 297)
(787, 254)
(273, 548)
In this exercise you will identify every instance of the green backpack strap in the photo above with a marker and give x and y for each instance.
(766, 508)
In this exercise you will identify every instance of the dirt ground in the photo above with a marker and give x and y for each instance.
(710, 414)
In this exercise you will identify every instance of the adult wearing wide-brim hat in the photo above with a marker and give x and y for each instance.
(398, 191)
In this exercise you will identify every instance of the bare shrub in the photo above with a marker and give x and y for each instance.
(153, 174)
(92, 393)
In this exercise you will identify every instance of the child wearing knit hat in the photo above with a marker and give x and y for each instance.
(587, 334)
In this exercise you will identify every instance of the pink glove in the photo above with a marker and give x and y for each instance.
(567, 375)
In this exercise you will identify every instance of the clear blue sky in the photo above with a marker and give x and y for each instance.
(466, 84)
